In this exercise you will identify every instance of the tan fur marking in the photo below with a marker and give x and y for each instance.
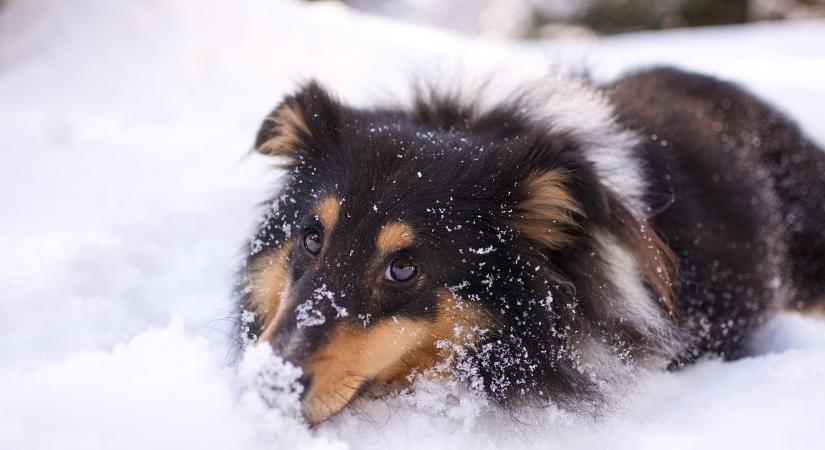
(457, 322)
(270, 284)
(394, 236)
(658, 264)
(388, 351)
(548, 210)
(286, 125)
(353, 355)
(328, 210)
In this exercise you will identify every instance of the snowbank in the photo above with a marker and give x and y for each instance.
(125, 199)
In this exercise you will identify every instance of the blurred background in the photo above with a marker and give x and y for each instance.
(538, 19)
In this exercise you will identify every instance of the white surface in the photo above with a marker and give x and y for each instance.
(125, 200)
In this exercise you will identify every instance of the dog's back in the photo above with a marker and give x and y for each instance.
(742, 199)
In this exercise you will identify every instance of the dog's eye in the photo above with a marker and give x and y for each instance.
(400, 269)
(312, 242)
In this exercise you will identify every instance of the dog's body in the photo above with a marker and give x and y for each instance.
(533, 246)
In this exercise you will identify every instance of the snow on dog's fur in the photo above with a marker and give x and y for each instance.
(536, 242)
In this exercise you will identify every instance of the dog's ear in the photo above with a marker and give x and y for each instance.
(303, 124)
(546, 210)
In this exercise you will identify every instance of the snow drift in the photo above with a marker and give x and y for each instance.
(126, 200)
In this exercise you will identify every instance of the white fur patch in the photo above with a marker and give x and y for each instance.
(634, 303)
(573, 106)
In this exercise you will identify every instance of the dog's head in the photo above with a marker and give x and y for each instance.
(399, 236)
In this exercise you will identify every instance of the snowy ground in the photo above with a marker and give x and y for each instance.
(125, 198)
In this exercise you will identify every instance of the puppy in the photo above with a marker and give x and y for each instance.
(531, 244)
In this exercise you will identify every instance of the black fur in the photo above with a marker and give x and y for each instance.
(734, 190)
(743, 194)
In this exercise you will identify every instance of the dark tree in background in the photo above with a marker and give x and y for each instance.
(551, 18)
(616, 16)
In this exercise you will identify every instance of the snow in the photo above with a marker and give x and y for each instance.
(127, 200)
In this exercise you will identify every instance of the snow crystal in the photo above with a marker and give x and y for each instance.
(322, 293)
(307, 315)
(547, 301)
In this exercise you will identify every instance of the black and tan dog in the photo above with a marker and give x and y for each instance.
(533, 244)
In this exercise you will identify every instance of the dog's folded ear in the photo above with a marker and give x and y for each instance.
(546, 211)
(301, 125)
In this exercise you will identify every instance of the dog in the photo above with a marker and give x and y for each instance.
(530, 243)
